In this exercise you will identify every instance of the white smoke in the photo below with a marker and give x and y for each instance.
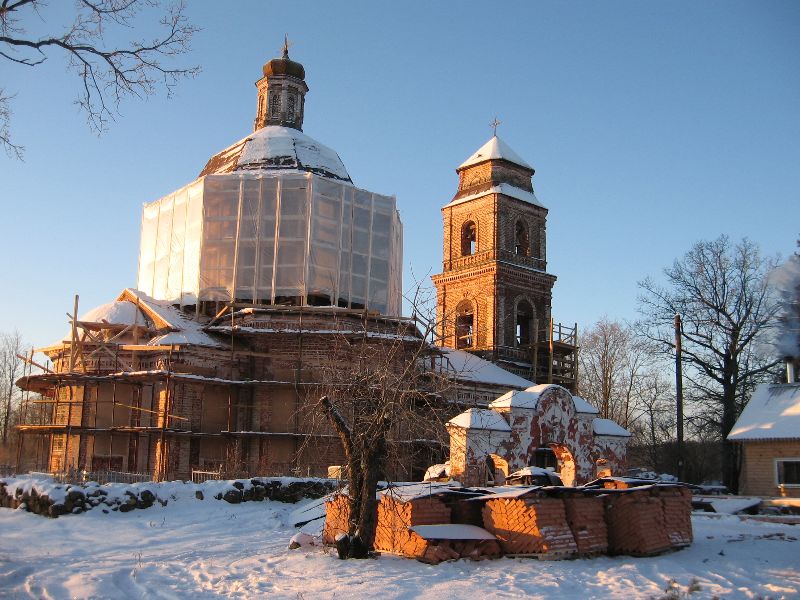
(786, 280)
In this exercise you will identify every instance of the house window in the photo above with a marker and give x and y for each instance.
(469, 239)
(522, 245)
(524, 327)
(465, 325)
(788, 471)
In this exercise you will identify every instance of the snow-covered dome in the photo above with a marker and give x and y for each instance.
(276, 147)
(119, 312)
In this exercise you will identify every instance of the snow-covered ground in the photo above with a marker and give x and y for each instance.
(209, 549)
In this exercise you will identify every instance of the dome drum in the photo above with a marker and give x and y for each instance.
(284, 238)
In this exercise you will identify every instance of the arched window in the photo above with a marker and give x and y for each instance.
(290, 108)
(274, 106)
(522, 245)
(469, 239)
(524, 323)
(465, 325)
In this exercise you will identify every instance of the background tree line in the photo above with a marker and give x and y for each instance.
(11, 369)
(733, 314)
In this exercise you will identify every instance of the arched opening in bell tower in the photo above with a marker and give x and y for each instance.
(465, 325)
(522, 246)
(469, 239)
(524, 324)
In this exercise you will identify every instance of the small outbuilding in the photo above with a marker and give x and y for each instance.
(769, 433)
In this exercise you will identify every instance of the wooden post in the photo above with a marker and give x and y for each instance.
(73, 336)
(535, 350)
(679, 395)
(575, 359)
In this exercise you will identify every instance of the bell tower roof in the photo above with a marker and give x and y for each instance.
(494, 149)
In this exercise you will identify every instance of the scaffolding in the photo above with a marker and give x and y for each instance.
(554, 354)
(113, 406)
(273, 238)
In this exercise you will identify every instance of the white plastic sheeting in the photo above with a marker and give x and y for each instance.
(284, 238)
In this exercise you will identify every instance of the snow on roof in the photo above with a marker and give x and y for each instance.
(413, 491)
(495, 148)
(199, 338)
(452, 531)
(507, 491)
(517, 399)
(185, 330)
(119, 312)
(609, 427)
(503, 188)
(277, 147)
(582, 406)
(531, 471)
(468, 367)
(773, 412)
(480, 418)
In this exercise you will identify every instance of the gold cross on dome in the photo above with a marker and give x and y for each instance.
(494, 124)
(286, 45)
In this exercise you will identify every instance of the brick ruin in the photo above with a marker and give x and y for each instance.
(487, 445)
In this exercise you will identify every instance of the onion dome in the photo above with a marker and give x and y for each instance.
(284, 66)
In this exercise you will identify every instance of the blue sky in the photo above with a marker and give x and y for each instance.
(650, 124)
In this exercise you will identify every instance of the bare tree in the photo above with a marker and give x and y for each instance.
(107, 73)
(386, 394)
(720, 289)
(10, 371)
(612, 363)
(654, 422)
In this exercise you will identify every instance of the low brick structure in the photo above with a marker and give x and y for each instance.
(636, 523)
(549, 523)
(530, 525)
(676, 502)
(396, 517)
(586, 520)
(337, 518)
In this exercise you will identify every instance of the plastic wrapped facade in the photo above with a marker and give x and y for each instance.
(284, 237)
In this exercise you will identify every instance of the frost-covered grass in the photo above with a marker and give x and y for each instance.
(210, 549)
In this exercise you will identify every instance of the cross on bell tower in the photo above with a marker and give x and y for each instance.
(494, 125)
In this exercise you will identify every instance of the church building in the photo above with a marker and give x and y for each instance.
(256, 281)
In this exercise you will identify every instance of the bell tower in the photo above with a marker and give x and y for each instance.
(494, 293)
